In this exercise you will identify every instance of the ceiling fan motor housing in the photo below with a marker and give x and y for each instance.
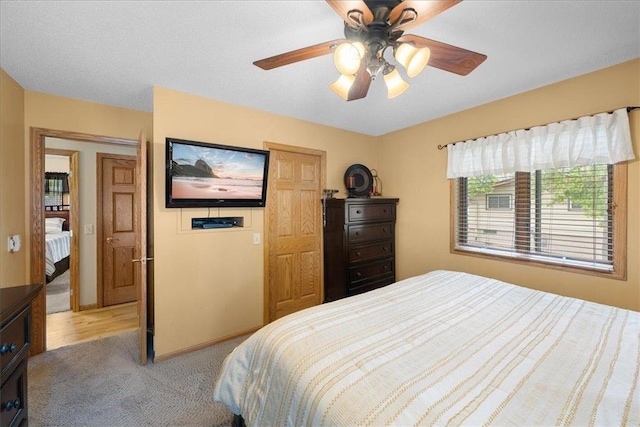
(380, 30)
(376, 36)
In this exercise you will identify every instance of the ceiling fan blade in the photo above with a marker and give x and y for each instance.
(298, 55)
(360, 86)
(447, 57)
(344, 7)
(425, 10)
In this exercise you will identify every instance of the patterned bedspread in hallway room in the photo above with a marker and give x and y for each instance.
(444, 348)
(57, 247)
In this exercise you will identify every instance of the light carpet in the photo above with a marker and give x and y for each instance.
(100, 383)
(58, 293)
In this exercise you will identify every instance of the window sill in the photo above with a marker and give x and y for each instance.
(522, 259)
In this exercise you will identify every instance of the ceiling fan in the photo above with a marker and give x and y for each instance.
(371, 27)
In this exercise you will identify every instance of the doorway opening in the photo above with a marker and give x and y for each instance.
(61, 230)
(83, 301)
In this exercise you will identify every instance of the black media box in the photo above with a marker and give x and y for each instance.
(226, 222)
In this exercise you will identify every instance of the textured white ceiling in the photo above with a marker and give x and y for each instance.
(114, 52)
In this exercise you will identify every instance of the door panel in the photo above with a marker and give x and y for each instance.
(285, 217)
(308, 274)
(119, 207)
(295, 232)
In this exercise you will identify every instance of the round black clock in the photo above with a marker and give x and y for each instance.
(358, 180)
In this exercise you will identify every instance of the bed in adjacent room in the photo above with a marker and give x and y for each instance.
(57, 244)
(439, 349)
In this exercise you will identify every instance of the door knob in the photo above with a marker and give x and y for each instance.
(111, 239)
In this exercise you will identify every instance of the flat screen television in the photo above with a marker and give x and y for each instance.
(200, 174)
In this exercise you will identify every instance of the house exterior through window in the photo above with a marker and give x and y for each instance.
(524, 216)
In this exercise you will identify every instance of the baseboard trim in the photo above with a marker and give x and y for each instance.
(203, 345)
(88, 307)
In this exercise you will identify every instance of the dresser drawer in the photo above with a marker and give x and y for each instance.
(14, 337)
(371, 252)
(369, 285)
(371, 212)
(372, 270)
(370, 233)
(14, 397)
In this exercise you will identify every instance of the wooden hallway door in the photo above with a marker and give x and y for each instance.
(118, 216)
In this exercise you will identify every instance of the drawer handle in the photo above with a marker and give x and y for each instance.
(358, 253)
(12, 404)
(357, 233)
(6, 348)
(358, 211)
(385, 229)
(358, 274)
(385, 249)
(386, 267)
(384, 210)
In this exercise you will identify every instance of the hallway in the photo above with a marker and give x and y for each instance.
(67, 328)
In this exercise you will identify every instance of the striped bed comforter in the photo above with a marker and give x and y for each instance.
(445, 348)
(57, 247)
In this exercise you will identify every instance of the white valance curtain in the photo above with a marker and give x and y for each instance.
(600, 139)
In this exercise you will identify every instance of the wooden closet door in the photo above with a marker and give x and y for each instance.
(295, 275)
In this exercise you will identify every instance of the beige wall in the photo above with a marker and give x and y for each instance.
(414, 170)
(73, 115)
(87, 183)
(56, 163)
(209, 284)
(12, 177)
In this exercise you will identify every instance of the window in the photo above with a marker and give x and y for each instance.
(537, 226)
(56, 187)
(573, 205)
(498, 201)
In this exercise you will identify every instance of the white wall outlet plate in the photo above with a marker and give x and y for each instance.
(14, 243)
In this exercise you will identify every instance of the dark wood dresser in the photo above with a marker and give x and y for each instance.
(15, 336)
(359, 246)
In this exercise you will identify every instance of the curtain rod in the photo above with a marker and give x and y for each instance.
(629, 109)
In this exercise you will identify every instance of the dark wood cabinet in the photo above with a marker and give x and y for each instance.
(15, 336)
(359, 245)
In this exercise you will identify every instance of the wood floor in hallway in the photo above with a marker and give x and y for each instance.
(67, 328)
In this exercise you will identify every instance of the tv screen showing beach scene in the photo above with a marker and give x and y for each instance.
(201, 174)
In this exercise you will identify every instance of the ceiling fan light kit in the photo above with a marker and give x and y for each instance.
(395, 85)
(348, 57)
(342, 85)
(370, 27)
(412, 59)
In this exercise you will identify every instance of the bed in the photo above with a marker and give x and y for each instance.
(444, 348)
(57, 243)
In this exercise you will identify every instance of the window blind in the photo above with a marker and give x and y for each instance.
(562, 216)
